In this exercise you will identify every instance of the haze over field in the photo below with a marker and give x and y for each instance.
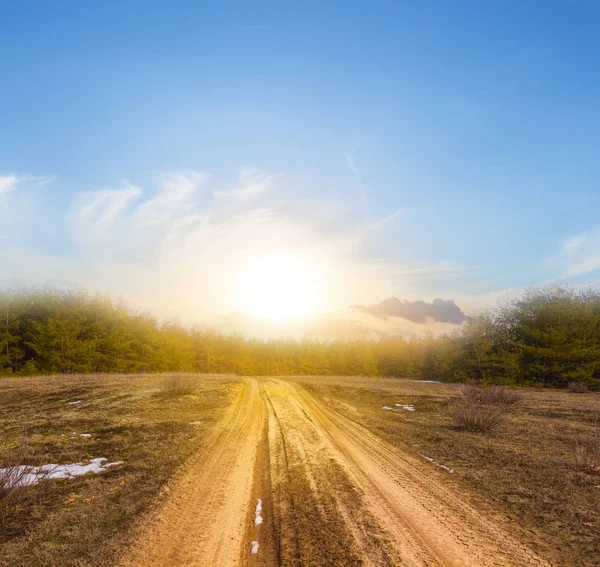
(261, 167)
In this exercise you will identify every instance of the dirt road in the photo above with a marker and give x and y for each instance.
(288, 481)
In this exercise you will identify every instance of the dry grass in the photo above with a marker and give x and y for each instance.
(578, 387)
(586, 451)
(87, 521)
(15, 492)
(494, 395)
(480, 409)
(176, 385)
(477, 418)
(525, 471)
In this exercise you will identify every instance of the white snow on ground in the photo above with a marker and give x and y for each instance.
(447, 469)
(73, 403)
(73, 434)
(407, 407)
(254, 548)
(25, 475)
(428, 381)
(257, 517)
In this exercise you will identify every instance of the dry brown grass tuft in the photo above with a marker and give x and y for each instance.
(578, 387)
(480, 409)
(494, 395)
(16, 493)
(477, 418)
(177, 385)
(586, 451)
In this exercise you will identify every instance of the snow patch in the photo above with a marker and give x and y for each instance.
(428, 381)
(25, 475)
(400, 407)
(254, 547)
(257, 517)
(73, 403)
(85, 435)
(447, 469)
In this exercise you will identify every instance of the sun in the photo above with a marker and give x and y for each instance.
(279, 286)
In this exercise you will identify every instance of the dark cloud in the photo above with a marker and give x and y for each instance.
(440, 310)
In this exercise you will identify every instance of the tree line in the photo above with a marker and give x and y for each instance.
(550, 336)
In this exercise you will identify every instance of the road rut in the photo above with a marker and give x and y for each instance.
(332, 494)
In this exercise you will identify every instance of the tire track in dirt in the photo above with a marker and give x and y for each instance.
(330, 523)
(284, 508)
(261, 541)
(333, 495)
(429, 524)
(203, 520)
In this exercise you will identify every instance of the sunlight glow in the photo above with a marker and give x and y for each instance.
(279, 285)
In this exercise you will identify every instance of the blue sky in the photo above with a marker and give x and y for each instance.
(446, 148)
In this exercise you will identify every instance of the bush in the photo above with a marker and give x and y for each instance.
(578, 387)
(501, 395)
(586, 452)
(494, 395)
(477, 417)
(178, 385)
(15, 459)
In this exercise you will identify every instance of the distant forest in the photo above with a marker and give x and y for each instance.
(550, 336)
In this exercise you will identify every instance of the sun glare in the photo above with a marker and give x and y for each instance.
(279, 286)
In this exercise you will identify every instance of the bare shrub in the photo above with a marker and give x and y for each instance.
(470, 393)
(178, 385)
(494, 395)
(501, 395)
(578, 387)
(586, 451)
(15, 489)
(477, 417)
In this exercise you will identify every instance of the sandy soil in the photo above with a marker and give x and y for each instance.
(332, 492)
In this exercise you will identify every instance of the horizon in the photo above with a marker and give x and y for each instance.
(262, 169)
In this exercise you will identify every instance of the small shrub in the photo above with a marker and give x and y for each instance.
(578, 387)
(476, 417)
(494, 395)
(15, 458)
(178, 385)
(586, 451)
(501, 395)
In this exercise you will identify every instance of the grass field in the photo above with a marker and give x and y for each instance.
(524, 474)
(87, 521)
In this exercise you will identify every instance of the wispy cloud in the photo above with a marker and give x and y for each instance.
(361, 186)
(99, 207)
(252, 183)
(8, 183)
(578, 255)
(444, 267)
(178, 248)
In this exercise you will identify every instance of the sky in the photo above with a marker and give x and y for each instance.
(248, 165)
